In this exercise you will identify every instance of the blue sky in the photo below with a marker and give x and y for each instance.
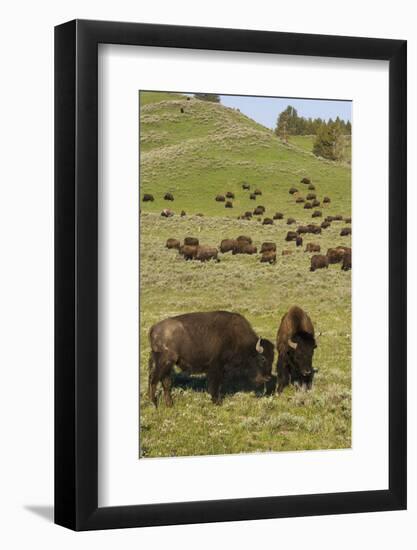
(265, 110)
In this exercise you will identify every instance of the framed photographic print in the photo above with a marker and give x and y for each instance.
(230, 337)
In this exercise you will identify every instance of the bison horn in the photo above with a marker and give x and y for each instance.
(259, 348)
(292, 344)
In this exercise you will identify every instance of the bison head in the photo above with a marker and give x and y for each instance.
(261, 361)
(301, 348)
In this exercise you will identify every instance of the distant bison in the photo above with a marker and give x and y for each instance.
(268, 221)
(291, 221)
(314, 229)
(311, 187)
(228, 204)
(259, 210)
(248, 214)
(244, 238)
(147, 197)
(207, 342)
(347, 261)
(302, 229)
(335, 255)
(348, 220)
(319, 261)
(191, 241)
(326, 199)
(312, 247)
(315, 203)
(188, 251)
(291, 236)
(325, 225)
(308, 206)
(295, 344)
(243, 247)
(278, 216)
(268, 247)
(269, 257)
(316, 214)
(183, 213)
(167, 213)
(182, 110)
(227, 245)
(299, 200)
(173, 243)
(168, 197)
(205, 253)
(311, 196)
(246, 186)
(220, 198)
(307, 181)
(200, 215)
(257, 192)
(252, 196)
(346, 231)
(230, 195)
(293, 190)
(299, 241)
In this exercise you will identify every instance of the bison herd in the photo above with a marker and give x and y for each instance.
(220, 341)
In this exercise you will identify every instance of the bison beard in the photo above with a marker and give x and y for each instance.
(295, 344)
(211, 343)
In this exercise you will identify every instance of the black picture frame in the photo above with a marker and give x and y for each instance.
(76, 272)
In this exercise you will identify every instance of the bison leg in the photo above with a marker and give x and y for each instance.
(283, 376)
(166, 384)
(214, 381)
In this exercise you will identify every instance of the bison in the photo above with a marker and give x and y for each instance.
(295, 344)
(347, 261)
(348, 220)
(188, 251)
(220, 198)
(278, 216)
(293, 190)
(312, 247)
(173, 243)
(259, 210)
(191, 241)
(269, 256)
(252, 196)
(268, 221)
(147, 197)
(311, 196)
(325, 225)
(205, 253)
(326, 200)
(230, 195)
(248, 214)
(346, 231)
(314, 229)
(308, 206)
(335, 255)
(307, 181)
(315, 203)
(227, 245)
(316, 214)
(168, 197)
(246, 186)
(291, 221)
(291, 236)
(318, 261)
(311, 187)
(302, 229)
(299, 200)
(299, 241)
(243, 247)
(183, 213)
(228, 204)
(257, 192)
(244, 239)
(182, 110)
(207, 342)
(268, 247)
(167, 213)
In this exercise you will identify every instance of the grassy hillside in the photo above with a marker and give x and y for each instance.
(206, 150)
(306, 144)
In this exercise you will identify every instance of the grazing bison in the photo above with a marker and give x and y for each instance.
(183, 213)
(311, 187)
(230, 195)
(308, 206)
(227, 245)
(291, 221)
(315, 203)
(302, 229)
(205, 253)
(338, 218)
(299, 241)
(318, 261)
(335, 255)
(268, 221)
(191, 241)
(325, 225)
(257, 192)
(243, 247)
(299, 200)
(295, 344)
(173, 243)
(346, 231)
(326, 200)
(312, 247)
(316, 214)
(314, 229)
(200, 215)
(286, 252)
(270, 257)
(348, 220)
(228, 204)
(167, 213)
(311, 196)
(307, 181)
(248, 214)
(208, 342)
(259, 210)
(268, 247)
(293, 190)
(246, 186)
(244, 239)
(347, 261)
(252, 196)
(278, 216)
(168, 197)
(291, 236)
(147, 197)
(182, 110)
(220, 198)
(188, 251)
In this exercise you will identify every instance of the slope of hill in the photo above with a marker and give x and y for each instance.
(209, 149)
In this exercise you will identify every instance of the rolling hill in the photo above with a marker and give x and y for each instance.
(209, 149)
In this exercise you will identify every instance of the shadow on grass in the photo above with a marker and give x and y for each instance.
(230, 386)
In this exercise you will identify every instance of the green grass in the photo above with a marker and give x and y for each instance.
(306, 143)
(208, 150)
